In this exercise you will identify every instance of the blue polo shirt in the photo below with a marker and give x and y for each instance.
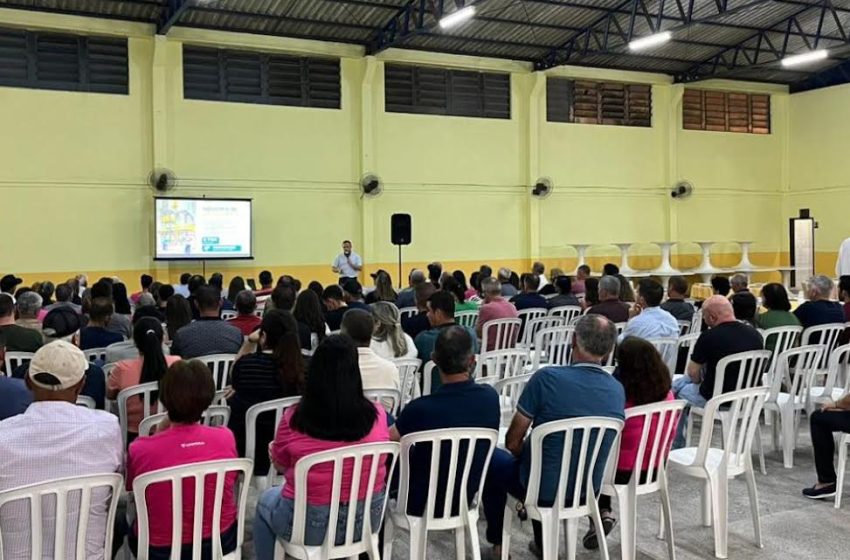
(14, 397)
(457, 405)
(559, 393)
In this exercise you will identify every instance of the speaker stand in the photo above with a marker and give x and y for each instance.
(399, 267)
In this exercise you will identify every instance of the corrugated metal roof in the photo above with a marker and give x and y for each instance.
(531, 30)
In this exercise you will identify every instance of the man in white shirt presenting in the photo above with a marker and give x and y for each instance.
(842, 265)
(347, 264)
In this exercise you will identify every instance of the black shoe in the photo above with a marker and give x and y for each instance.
(534, 549)
(814, 493)
(590, 541)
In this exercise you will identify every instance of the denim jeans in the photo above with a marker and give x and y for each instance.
(276, 514)
(687, 390)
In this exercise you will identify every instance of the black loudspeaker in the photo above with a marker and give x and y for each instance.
(401, 229)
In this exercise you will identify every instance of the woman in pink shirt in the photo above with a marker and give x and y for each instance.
(149, 366)
(333, 413)
(646, 380)
(186, 391)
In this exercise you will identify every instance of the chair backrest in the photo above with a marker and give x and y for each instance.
(74, 498)
(684, 327)
(107, 369)
(696, 322)
(552, 346)
(526, 315)
(88, 402)
(803, 362)
(95, 354)
(195, 474)
(461, 445)
(466, 318)
(668, 348)
(587, 435)
(783, 338)
(14, 360)
(533, 326)
(505, 333)
(748, 366)
(659, 421)
(406, 312)
(619, 327)
(499, 364)
(838, 370)
(825, 335)
(360, 459)
(568, 312)
(408, 375)
(216, 415)
(688, 341)
(146, 391)
(389, 398)
(228, 315)
(427, 372)
(278, 406)
(220, 366)
(510, 389)
(743, 409)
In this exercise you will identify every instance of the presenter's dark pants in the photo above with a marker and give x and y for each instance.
(822, 425)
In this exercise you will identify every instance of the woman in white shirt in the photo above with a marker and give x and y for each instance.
(389, 341)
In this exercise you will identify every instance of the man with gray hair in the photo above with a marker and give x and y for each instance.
(407, 297)
(609, 304)
(28, 306)
(495, 306)
(819, 310)
(508, 289)
(555, 393)
(738, 282)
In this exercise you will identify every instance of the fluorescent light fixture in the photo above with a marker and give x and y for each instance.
(650, 41)
(805, 57)
(458, 17)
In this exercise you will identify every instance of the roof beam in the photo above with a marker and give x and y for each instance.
(171, 14)
(412, 19)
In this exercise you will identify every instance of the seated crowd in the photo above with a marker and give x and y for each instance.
(329, 346)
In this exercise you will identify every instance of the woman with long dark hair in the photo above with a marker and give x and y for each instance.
(774, 298)
(474, 289)
(178, 314)
(591, 292)
(274, 371)
(333, 413)
(149, 367)
(237, 284)
(308, 311)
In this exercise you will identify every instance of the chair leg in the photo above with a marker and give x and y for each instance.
(719, 507)
(842, 466)
(689, 427)
(775, 430)
(472, 525)
(707, 500)
(750, 477)
(571, 537)
(460, 543)
(507, 521)
(600, 532)
(550, 536)
(389, 531)
(418, 541)
(786, 419)
(628, 518)
(374, 548)
(667, 518)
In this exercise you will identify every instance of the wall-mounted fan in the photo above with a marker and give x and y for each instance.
(682, 190)
(542, 187)
(371, 185)
(162, 180)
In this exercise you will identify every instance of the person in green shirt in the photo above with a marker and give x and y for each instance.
(450, 284)
(775, 299)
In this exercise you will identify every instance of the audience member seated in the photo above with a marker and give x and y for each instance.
(458, 289)
(8, 284)
(744, 306)
(495, 307)
(28, 305)
(266, 280)
(61, 324)
(64, 298)
(178, 314)
(538, 269)
(832, 417)
(441, 316)
(376, 372)
(274, 370)
(407, 296)
(182, 288)
(54, 438)
(507, 288)
(565, 296)
(844, 295)
(529, 298)
(127, 349)
(819, 310)
(46, 291)
(335, 306)
(609, 304)
(646, 319)
(646, 380)
(332, 414)
(738, 283)
(14, 396)
(474, 289)
(209, 334)
(121, 318)
(119, 324)
(383, 288)
(627, 294)
(353, 293)
(610, 269)
(725, 336)
(246, 321)
(13, 337)
(146, 280)
(774, 298)
(418, 323)
(95, 334)
(149, 367)
(164, 292)
(591, 293)
(459, 402)
(721, 286)
(195, 282)
(236, 285)
(677, 291)
(435, 271)
(187, 389)
(283, 295)
(389, 341)
(308, 313)
(553, 393)
(582, 274)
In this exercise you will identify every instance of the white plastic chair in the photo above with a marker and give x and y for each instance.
(58, 518)
(499, 364)
(196, 475)
(408, 374)
(668, 348)
(838, 372)
(388, 397)
(427, 373)
(228, 315)
(526, 316)
(696, 322)
(452, 441)
(16, 359)
(653, 451)
(278, 406)
(407, 312)
(825, 335)
(552, 347)
(95, 354)
(568, 312)
(510, 389)
(576, 432)
(715, 466)
(215, 415)
(687, 341)
(505, 333)
(534, 326)
(466, 318)
(220, 366)
(684, 327)
(146, 391)
(88, 402)
(843, 444)
(363, 458)
(784, 338)
(619, 327)
(789, 405)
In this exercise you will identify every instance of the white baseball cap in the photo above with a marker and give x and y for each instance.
(57, 366)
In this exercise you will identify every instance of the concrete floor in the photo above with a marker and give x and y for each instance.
(792, 526)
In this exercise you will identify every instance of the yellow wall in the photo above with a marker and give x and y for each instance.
(73, 170)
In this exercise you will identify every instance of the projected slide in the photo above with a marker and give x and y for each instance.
(203, 228)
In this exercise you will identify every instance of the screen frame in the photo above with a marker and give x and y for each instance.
(250, 202)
